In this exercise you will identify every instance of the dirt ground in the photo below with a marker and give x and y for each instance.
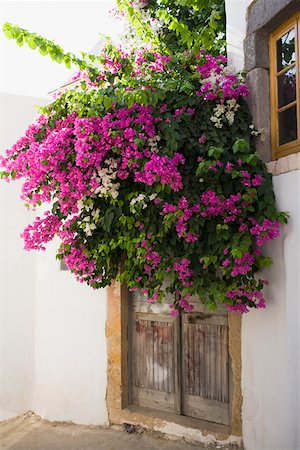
(29, 432)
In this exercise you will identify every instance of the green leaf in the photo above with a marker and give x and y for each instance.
(215, 152)
(4, 174)
(206, 260)
(237, 253)
(107, 101)
(30, 41)
(20, 40)
(202, 167)
(55, 207)
(67, 62)
(241, 146)
(8, 31)
(108, 218)
(43, 50)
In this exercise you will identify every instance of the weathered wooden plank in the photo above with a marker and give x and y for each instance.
(213, 361)
(186, 338)
(171, 358)
(200, 319)
(206, 409)
(202, 361)
(177, 364)
(197, 362)
(200, 307)
(149, 356)
(206, 330)
(205, 350)
(155, 360)
(149, 398)
(164, 344)
(224, 365)
(154, 317)
(152, 354)
(218, 365)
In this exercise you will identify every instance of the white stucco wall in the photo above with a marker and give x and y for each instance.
(235, 31)
(52, 328)
(271, 338)
(17, 273)
(70, 346)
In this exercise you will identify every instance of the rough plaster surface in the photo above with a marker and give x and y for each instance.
(17, 272)
(70, 346)
(271, 338)
(235, 31)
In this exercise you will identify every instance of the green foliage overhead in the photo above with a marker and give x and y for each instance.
(179, 25)
(149, 157)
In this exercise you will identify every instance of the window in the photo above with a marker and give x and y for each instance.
(284, 86)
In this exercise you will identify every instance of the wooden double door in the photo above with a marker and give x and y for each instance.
(179, 365)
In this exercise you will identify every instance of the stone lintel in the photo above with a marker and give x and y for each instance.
(266, 15)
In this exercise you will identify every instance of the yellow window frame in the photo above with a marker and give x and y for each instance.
(279, 151)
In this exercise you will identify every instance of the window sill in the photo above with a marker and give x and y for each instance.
(285, 164)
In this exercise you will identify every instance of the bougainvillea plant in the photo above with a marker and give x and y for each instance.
(149, 158)
(177, 24)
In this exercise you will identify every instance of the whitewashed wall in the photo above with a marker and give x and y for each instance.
(235, 31)
(52, 328)
(70, 346)
(270, 338)
(17, 273)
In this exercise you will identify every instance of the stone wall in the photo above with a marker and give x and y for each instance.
(263, 16)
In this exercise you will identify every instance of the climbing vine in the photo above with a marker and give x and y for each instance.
(148, 157)
(178, 25)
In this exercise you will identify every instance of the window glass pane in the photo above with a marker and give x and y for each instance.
(287, 87)
(287, 121)
(285, 47)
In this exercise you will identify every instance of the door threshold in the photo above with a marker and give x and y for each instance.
(217, 430)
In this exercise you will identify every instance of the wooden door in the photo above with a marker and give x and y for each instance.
(154, 355)
(205, 365)
(179, 365)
